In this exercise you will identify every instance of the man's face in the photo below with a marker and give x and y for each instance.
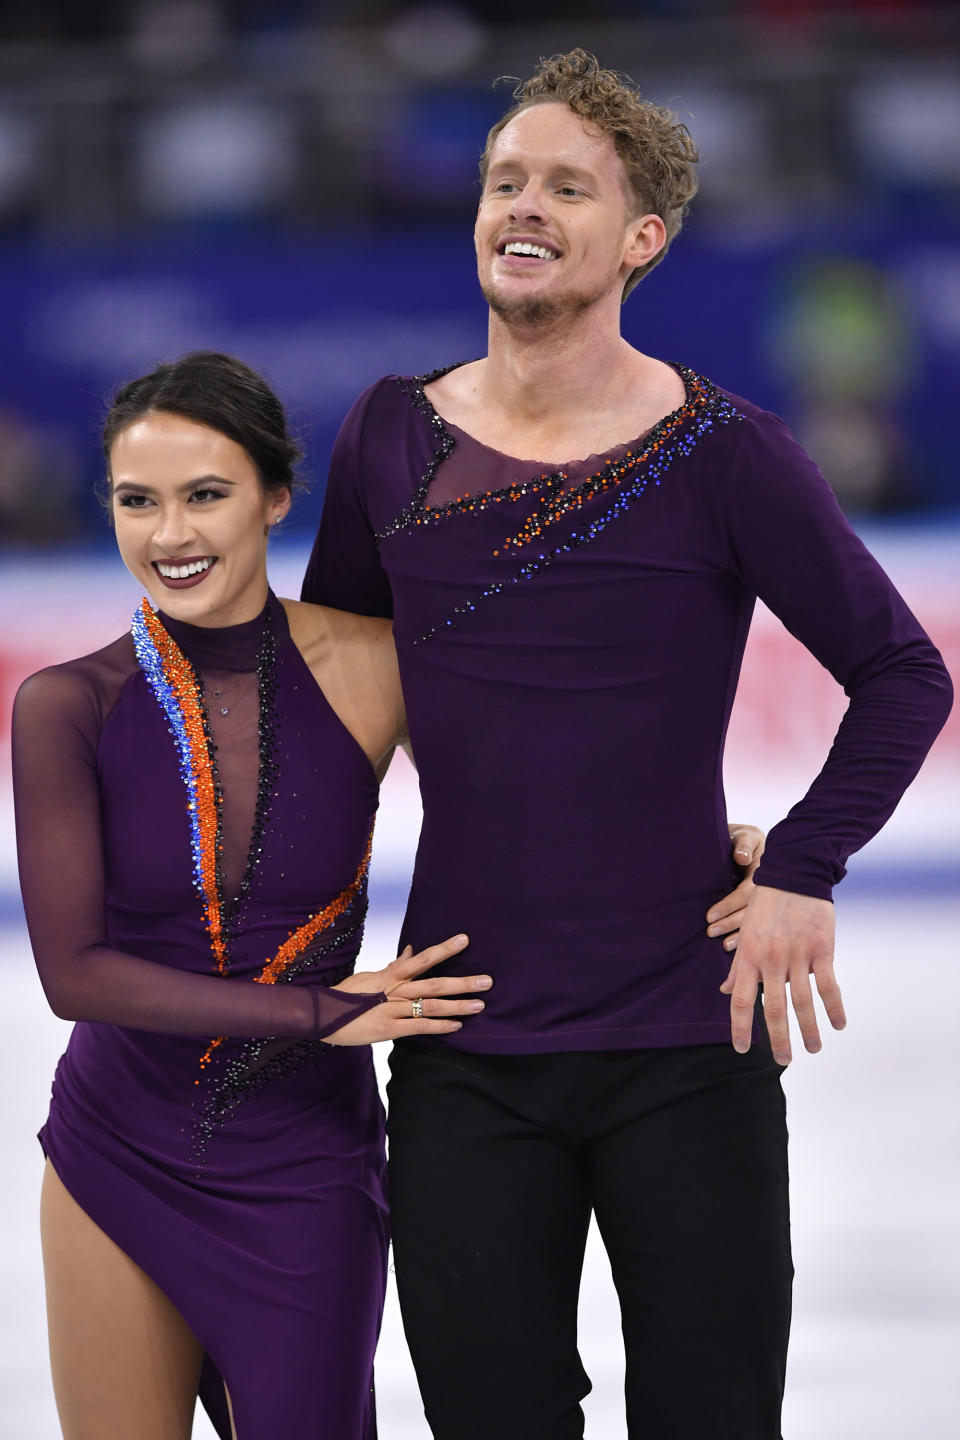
(555, 183)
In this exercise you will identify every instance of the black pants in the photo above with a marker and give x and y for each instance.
(496, 1163)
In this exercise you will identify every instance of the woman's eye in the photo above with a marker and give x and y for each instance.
(204, 496)
(134, 502)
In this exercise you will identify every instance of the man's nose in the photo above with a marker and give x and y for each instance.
(529, 203)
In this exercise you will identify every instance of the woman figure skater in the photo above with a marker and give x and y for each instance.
(195, 805)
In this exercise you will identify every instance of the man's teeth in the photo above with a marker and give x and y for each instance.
(181, 572)
(523, 247)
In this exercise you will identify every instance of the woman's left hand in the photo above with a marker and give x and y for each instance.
(725, 917)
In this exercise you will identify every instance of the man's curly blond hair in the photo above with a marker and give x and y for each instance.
(656, 148)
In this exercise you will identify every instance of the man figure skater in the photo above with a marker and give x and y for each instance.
(570, 536)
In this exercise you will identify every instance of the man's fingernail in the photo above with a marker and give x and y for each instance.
(711, 917)
(459, 939)
(483, 982)
(740, 1047)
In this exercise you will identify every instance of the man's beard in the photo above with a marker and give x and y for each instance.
(538, 311)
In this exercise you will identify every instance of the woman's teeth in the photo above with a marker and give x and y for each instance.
(181, 572)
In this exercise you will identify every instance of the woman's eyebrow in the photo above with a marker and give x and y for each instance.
(186, 485)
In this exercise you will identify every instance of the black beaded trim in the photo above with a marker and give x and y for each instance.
(699, 391)
(413, 386)
(267, 771)
(266, 779)
(248, 1072)
(245, 1080)
(673, 436)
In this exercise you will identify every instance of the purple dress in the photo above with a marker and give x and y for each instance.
(198, 1118)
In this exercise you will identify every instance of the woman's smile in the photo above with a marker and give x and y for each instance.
(182, 574)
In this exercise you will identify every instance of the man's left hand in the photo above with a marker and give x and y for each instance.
(784, 939)
(726, 916)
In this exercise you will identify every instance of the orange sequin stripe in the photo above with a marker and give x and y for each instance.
(183, 683)
(298, 940)
(575, 499)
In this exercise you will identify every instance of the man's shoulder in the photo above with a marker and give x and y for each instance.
(384, 407)
(746, 411)
(403, 392)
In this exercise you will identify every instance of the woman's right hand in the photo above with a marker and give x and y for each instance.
(400, 984)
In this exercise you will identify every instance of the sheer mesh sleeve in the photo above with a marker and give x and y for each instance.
(56, 723)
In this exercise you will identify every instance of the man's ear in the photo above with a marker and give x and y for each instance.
(646, 237)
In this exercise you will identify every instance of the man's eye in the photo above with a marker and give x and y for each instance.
(503, 186)
(569, 190)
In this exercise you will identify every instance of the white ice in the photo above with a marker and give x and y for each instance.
(876, 1177)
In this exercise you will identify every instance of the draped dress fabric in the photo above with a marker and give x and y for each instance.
(570, 640)
(244, 1175)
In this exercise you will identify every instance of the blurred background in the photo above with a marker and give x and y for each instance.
(294, 181)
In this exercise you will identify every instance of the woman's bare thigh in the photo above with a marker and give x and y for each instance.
(124, 1361)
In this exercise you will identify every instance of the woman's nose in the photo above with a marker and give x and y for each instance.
(174, 528)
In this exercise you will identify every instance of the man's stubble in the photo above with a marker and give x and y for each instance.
(539, 311)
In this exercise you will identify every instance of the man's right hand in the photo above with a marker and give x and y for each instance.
(400, 985)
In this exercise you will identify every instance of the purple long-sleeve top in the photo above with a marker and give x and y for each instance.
(570, 642)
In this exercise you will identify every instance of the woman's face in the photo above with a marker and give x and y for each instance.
(192, 519)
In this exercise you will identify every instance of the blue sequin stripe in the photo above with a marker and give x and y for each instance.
(151, 663)
(720, 412)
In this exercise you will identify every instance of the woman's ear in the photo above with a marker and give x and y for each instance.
(280, 506)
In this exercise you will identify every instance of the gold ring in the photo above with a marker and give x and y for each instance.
(418, 1009)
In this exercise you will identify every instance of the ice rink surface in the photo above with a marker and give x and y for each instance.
(873, 1118)
(876, 1201)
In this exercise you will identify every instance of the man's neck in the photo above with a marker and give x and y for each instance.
(536, 373)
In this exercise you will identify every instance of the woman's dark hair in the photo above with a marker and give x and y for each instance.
(224, 394)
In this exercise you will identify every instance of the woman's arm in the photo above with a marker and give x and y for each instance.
(354, 661)
(58, 812)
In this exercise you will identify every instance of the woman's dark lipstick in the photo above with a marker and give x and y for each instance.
(184, 582)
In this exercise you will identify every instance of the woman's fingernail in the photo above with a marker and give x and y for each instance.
(711, 917)
(476, 1005)
(713, 930)
(459, 939)
(482, 982)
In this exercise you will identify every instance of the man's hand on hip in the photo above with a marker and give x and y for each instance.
(784, 939)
